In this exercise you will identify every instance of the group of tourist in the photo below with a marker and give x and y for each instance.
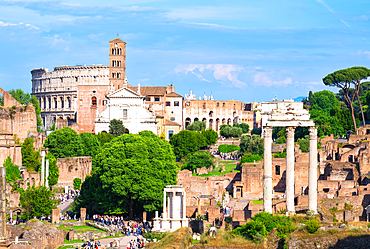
(117, 222)
(226, 156)
(65, 197)
(135, 244)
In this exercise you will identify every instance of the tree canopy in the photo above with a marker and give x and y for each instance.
(198, 159)
(187, 142)
(37, 201)
(53, 170)
(64, 143)
(31, 158)
(90, 143)
(130, 175)
(230, 131)
(344, 79)
(12, 171)
(196, 126)
(104, 138)
(251, 144)
(211, 136)
(116, 127)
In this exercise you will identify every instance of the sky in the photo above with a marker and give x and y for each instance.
(242, 50)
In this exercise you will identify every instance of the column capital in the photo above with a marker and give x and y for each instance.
(290, 132)
(267, 131)
(313, 132)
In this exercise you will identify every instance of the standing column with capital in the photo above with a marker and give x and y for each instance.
(164, 205)
(312, 171)
(289, 186)
(267, 170)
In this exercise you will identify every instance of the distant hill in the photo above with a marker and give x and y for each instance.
(299, 99)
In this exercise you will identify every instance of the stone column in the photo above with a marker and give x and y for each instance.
(42, 167)
(164, 205)
(55, 215)
(289, 189)
(82, 215)
(47, 173)
(267, 170)
(2, 205)
(312, 171)
(184, 204)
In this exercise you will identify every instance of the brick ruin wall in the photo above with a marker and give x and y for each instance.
(19, 120)
(71, 168)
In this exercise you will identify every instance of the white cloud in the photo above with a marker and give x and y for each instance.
(345, 23)
(222, 72)
(325, 5)
(269, 79)
(365, 53)
(8, 24)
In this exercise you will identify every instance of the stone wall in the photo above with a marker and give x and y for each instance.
(20, 120)
(71, 168)
(8, 147)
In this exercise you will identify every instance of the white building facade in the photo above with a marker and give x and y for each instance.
(127, 106)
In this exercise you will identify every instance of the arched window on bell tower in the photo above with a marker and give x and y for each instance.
(93, 101)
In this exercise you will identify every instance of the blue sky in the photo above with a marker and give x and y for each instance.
(242, 50)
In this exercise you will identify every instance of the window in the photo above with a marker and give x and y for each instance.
(168, 103)
(118, 75)
(170, 134)
(113, 75)
(56, 103)
(204, 105)
(69, 102)
(119, 51)
(147, 98)
(277, 170)
(49, 103)
(177, 103)
(105, 102)
(156, 99)
(93, 101)
(172, 119)
(223, 104)
(218, 104)
(62, 101)
(124, 113)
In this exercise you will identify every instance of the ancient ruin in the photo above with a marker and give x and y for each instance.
(288, 114)
(174, 215)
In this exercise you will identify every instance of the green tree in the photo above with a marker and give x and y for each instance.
(77, 183)
(90, 143)
(197, 126)
(12, 171)
(251, 144)
(256, 131)
(304, 143)
(64, 143)
(132, 171)
(31, 158)
(230, 131)
(324, 101)
(104, 138)
(343, 79)
(116, 127)
(244, 126)
(1, 100)
(211, 136)
(187, 142)
(227, 148)
(53, 170)
(26, 98)
(37, 201)
(198, 160)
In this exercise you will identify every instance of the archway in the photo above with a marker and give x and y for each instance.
(196, 119)
(217, 124)
(229, 121)
(211, 124)
(223, 121)
(187, 122)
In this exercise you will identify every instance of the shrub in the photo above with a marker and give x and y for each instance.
(312, 226)
(77, 183)
(249, 158)
(225, 148)
(252, 229)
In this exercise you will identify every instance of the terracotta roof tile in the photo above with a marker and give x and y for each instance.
(173, 95)
(170, 123)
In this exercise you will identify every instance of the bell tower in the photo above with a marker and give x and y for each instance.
(117, 63)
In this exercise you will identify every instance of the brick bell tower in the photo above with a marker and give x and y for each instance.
(117, 63)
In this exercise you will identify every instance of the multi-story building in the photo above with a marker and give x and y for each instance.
(78, 94)
(214, 112)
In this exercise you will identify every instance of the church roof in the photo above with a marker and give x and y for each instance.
(116, 40)
(150, 90)
(173, 94)
(170, 123)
